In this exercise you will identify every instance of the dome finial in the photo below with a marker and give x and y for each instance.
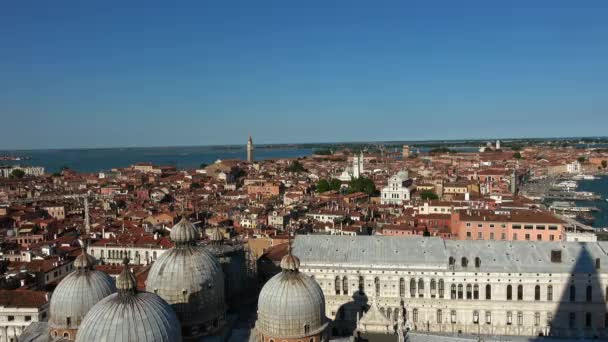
(184, 233)
(126, 282)
(84, 261)
(290, 262)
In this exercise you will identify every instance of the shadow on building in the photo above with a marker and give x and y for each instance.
(345, 320)
(581, 310)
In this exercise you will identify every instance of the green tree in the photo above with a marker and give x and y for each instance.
(335, 184)
(428, 195)
(604, 164)
(362, 184)
(322, 186)
(517, 155)
(581, 159)
(17, 173)
(296, 167)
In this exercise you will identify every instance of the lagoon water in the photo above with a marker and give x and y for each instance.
(600, 187)
(94, 160)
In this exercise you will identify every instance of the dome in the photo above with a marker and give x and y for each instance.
(190, 278)
(130, 315)
(291, 304)
(184, 232)
(77, 293)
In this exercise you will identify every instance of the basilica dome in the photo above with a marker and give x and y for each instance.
(76, 294)
(130, 315)
(190, 278)
(291, 304)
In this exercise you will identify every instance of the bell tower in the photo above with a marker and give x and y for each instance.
(250, 150)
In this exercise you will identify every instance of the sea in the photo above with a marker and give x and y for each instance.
(103, 159)
(600, 187)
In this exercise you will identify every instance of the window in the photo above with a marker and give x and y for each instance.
(420, 287)
(572, 293)
(453, 316)
(377, 284)
(453, 291)
(11, 318)
(28, 318)
(492, 236)
(528, 237)
(552, 227)
(528, 226)
(412, 287)
(439, 316)
(509, 318)
(539, 237)
(475, 291)
(537, 318)
(68, 321)
(401, 287)
(477, 262)
(488, 291)
(549, 318)
(540, 226)
(520, 292)
(537, 292)
(415, 315)
(464, 262)
(345, 285)
(503, 236)
(520, 318)
(468, 235)
(475, 317)
(509, 292)
(488, 317)
(460, 291)
(588, 320)
(66, 335)
(469, 291)
(515, 236)
(337, 285)
(517, 226)
(451, 261)
(550, 292)
(572, 320)
(589, 294)
(479, 236)
(433, 288)
(441, 288)
(361, 285)
(306, 329)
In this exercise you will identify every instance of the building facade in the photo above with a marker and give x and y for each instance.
(399, 189)
(471, 287)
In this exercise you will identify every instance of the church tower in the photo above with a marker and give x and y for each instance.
(357, 165)
(250, 150)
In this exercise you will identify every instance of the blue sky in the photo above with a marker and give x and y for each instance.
(129, 73)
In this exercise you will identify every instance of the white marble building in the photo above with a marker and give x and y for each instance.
(473, 287)
(399, 189)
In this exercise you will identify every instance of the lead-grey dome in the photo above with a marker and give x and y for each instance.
(291, 304)
(129, 316)
(190, 279)
(78, 292)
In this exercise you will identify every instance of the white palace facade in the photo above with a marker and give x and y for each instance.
(470, 287)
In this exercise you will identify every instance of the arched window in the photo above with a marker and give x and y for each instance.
(464, 262)
(439, 316)
(477, 262)
(589, 294)
(537, 292)
(66, 335)
(377, 283)
(345, 285)
(509, 292)
(460, 291)
(441, 288)
(420, 287)
(382, 312)
(433, 287)
(415, 315)
(452, 261)
(469, 291)
(412, 287)
(306, 329)
(388, 313)
(488, 291)
(475, 291)
(550, 292)
(572, 293)
(401, 287)
(520, 292)
(361, 285)
(453, 291)
(337, 285)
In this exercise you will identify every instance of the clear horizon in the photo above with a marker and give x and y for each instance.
(147, 74)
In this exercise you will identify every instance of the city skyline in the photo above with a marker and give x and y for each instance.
(105, 75)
